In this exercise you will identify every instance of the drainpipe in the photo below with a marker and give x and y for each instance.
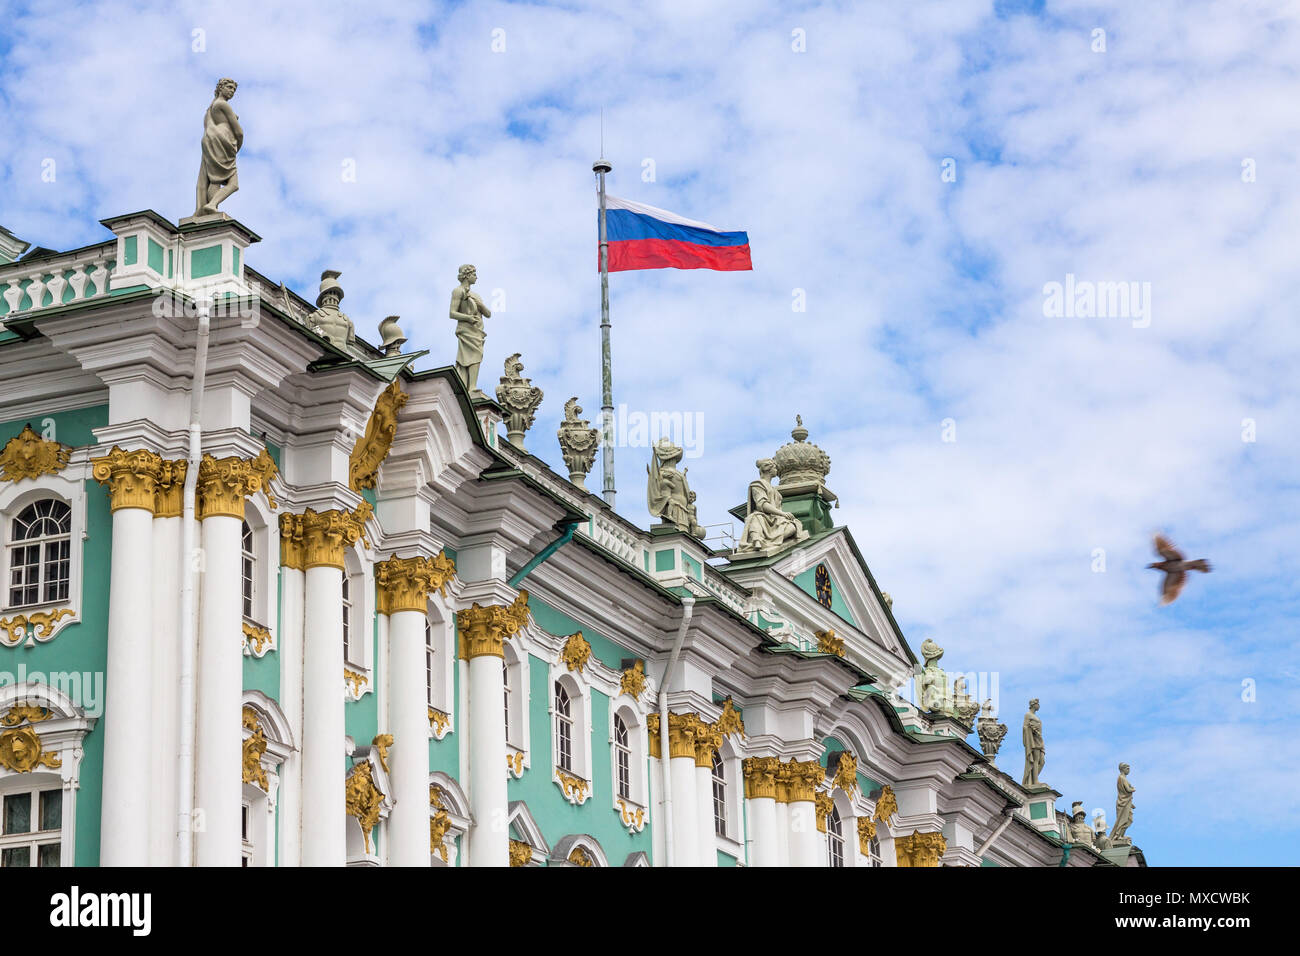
(665, 761)
(565, 537)
(1006, 822)
(185, 758)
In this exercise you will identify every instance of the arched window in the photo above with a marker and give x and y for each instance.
(31, 826)
(719, 795)
(40, 551)
(563, 729)
(247, 566)
(835, 837)
(623, 757)
(506, 684)
(347, 618)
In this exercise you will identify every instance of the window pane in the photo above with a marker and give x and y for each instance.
(51, 809)
(18, 856)
(18, 813)
(47, 854)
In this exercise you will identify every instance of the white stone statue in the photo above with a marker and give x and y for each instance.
(1080, 832)
(1031, 733)
(578, 442)
(990, 730)
(468, 312)
(934, 681)
(667, 494)
(328, 321)
(1123, 806)
(767, 527)
(222, 139)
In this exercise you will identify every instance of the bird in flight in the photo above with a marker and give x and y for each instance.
(1175, 567)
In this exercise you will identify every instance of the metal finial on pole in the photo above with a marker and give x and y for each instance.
(600, 168)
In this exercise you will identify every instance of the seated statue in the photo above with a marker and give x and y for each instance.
(766, 525)
(667, 494)
(1080, 831)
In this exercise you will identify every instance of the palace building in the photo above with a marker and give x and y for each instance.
(273, 597)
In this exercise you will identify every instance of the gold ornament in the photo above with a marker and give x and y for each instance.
(886, 804)
(435, 797)
(25, 713)
(224, 483)
(824, 807)
(846, 774)
(797, 781)
(258, 638)
(920, 849)
(20, 751)
(866, 833)
(28, 455)
(363, 799)
(357, 682)
(381, 743)
(633, 682)
(633, 818)
(372, 448)
(575, 788)
(521, 853)
(41, 622)
(579, 857)
(484, 630)
(515, 763)
(729, 721)
(439, 824)
(439, 722)
(254, 748)
(576, 652)
(131, 476)
(404, 584)
(169, 493)
(760, 777)
(326, 535)
(293, 552)
(682, 731)
(708, 740)
(828, 643)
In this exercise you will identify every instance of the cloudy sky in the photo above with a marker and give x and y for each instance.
(1152, 143)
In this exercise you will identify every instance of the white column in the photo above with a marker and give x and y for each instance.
(219, 681)
(289, 798)
(490, 843)
(324, 812)
(124, 835)
(408, 822)
(782, 833)
(806, 848)
(708, 853)
(163, 730)
(686, 826)
(760, 798)
(658, 846)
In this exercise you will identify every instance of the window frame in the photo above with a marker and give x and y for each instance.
(14, 498)
(835, 847)
(33, 838)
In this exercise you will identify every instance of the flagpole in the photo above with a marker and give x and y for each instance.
(600, 168)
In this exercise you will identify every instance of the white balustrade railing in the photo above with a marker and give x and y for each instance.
(24, 287)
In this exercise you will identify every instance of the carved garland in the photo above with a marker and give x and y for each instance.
(28, 455)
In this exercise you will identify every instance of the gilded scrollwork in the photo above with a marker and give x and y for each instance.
(13, 630)
(521, 853)
(576, 652)
(575, 788)
(886, 804)
(28, 455)
(372, 448)
(363, 799)
(254, 749)
(866, 833)
(21, 751)
(257, 639)
(632, 682)
(440, 722)
(828, 643)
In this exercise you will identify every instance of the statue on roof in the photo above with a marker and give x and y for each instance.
(327, 321)
(1123, 806)
(468, 312)
(668, 496)
(1031, 733)
(222, 139)
(767, 527)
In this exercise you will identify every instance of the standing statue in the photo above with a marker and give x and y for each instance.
(1123, 806)
(934, 682)
(1035, 753)
(468, 312)
(667, 494)
(766, 525)
(222, 139)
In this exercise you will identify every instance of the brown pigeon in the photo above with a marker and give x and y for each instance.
(1175, 567)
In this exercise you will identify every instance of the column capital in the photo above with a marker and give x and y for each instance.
(224, 483)
(824, 807)
(797, 780)
(760, 777)
(920, 849)
(326, 535)
(132, 477)
(683, 732)
(708, 740)
(293, 552)
(484, 630)
(404, 584)
(169, 492)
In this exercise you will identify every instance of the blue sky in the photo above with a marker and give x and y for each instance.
(924, 298)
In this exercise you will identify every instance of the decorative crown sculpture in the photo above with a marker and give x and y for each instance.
(578, 442)
(799, 462)
(519, 397)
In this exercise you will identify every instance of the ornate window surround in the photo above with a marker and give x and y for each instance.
(456, 807)
(61, 734)
(278, 738)
(266, 570)
(732, 843)
(634, 812)
(516, 679)
(574, 784)
(359, 571)
(441, 620)
(67, 486)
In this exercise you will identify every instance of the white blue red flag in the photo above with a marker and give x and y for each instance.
(643, 237)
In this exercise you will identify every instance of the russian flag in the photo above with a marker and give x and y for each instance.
(643, 237)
